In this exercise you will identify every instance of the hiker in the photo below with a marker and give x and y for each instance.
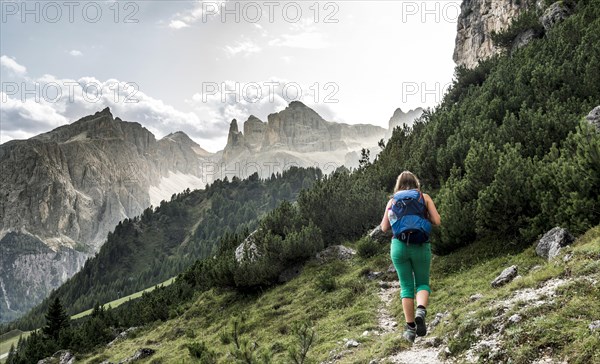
(410, 214)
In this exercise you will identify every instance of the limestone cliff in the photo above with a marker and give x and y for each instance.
(477, 20)
(296, 136)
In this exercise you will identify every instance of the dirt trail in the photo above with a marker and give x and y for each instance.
(419, 353)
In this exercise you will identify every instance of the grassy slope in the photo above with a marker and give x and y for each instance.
(12, 337)
(8, 339)
(558, 328)
(120, 301)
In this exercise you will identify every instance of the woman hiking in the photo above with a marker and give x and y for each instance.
(410, 214)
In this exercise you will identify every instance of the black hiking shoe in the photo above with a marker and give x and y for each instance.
(420, 321)
(410, 333)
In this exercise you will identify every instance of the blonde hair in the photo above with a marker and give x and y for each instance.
(407, 181)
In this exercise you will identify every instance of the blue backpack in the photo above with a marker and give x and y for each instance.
(408, 217)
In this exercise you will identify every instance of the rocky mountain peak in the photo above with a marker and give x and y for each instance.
(400, 117)
(180, 137)
(297, 104)
(235, 140)
(233, 127)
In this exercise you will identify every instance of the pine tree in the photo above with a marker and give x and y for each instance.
(56, 320)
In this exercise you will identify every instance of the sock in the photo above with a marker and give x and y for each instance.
(421, 306)
(411, 325)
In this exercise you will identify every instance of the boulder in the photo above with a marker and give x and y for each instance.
(139, 355)
(380, 236)
(123, 335)
(247, 249)
(351, 344)
(551, 243)
(516, 318)
(505, 277)
(523, 39)
(554, 14)
(60, 357)
(594, 117)
(338, 252)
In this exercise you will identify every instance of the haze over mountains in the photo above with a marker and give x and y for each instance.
(64, 190)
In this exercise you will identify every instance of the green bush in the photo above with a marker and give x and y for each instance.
(326, 282)
(367, 247)
(200, 351)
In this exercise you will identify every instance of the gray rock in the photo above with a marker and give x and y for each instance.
(476, 297)
(550, 244)
(351, 344)
(139, 355)
(247, 249)
(505, 277)
(594, 117)
(516, 318)
(477, 20)
(437, 319)
(123, 335)
(523, 39)
(391, 269)
(374, 275)
(554, 14)
(338, 252)
(381, 236)
(594, 326)
(60, 357)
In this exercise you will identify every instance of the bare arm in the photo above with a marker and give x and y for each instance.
(385, 222)
(434, 216)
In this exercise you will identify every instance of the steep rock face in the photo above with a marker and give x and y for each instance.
(69, 187)
(296, 136)
(477, 20)
(254, 131)
(24, 258)
(299, 128)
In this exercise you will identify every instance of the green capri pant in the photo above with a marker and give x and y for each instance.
(412, 263)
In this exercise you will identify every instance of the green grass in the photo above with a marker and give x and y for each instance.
(8, 339)
(348, 306)
(122, 300)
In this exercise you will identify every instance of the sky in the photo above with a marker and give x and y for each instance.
(196, 65)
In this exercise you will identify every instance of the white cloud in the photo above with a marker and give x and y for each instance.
(244, 48)
(67, 100)
(75, 53)
(306, 40)
(304, 35)
(202, 10)
(178, 24)
(12, 65)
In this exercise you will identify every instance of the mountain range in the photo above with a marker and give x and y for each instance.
(65, 190)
